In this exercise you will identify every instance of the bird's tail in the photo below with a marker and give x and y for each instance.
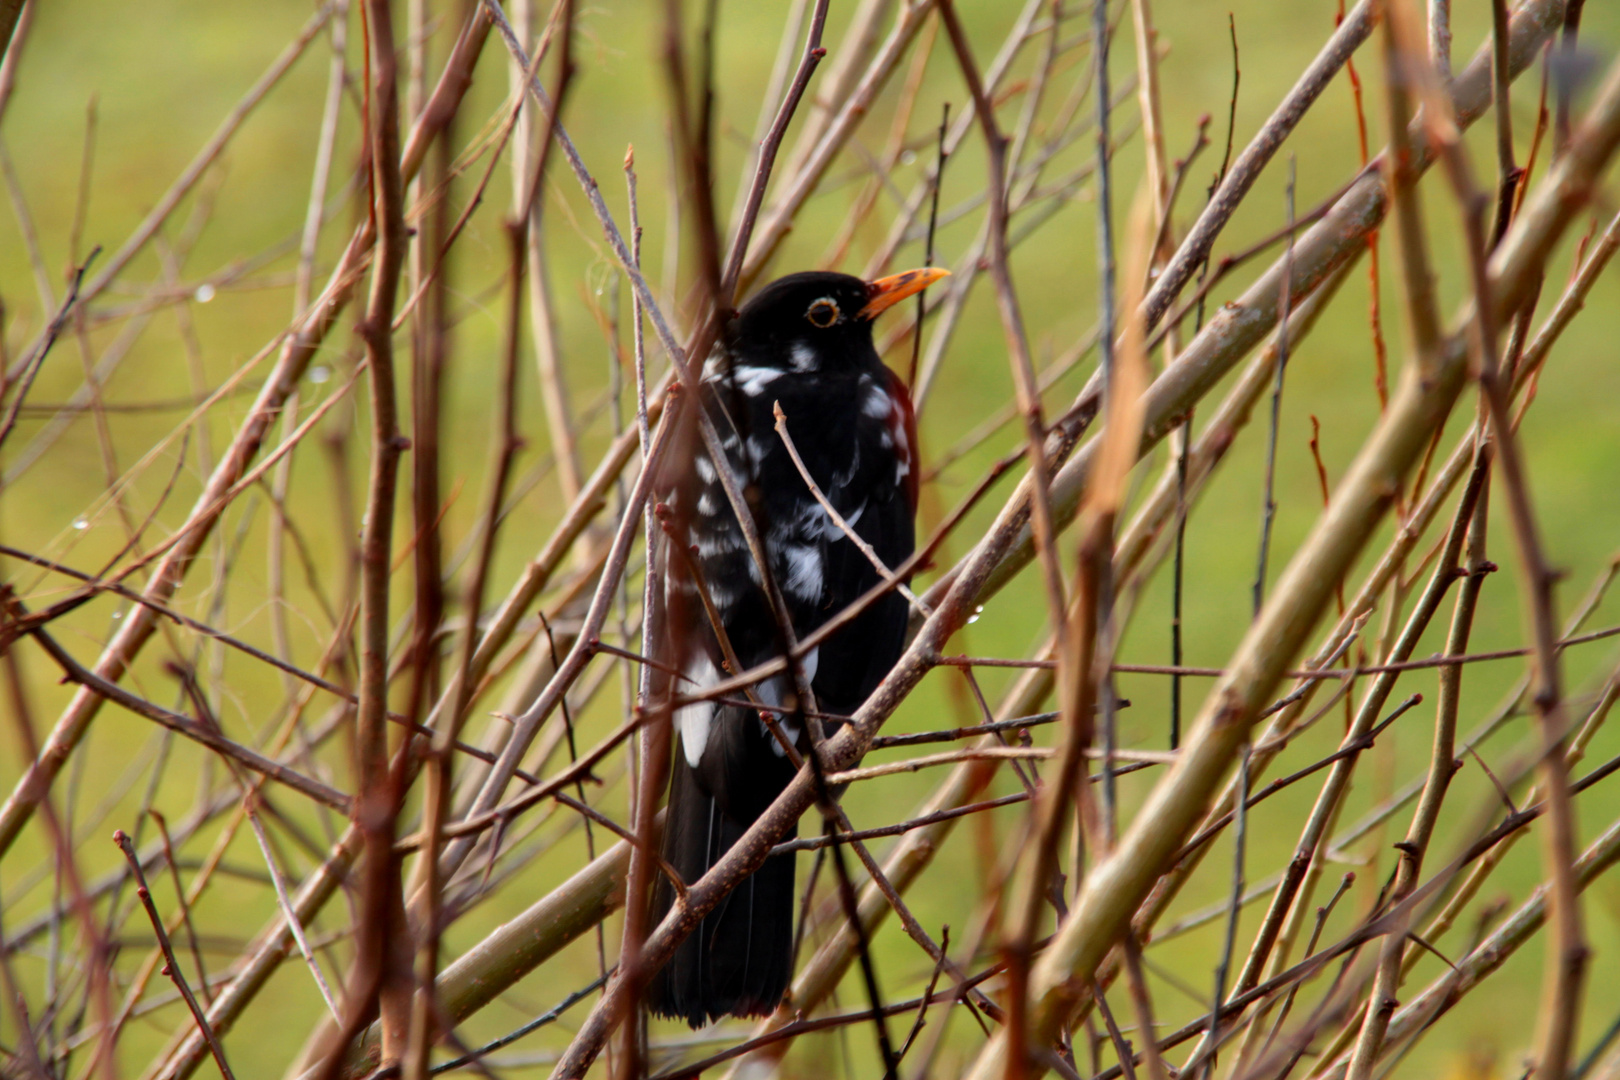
(739, 959)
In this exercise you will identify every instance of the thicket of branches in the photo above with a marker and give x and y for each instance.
(409, 734)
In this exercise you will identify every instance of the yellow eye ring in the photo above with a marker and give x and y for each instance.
(823, 312)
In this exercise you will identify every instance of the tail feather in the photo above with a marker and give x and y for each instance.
(739, 959)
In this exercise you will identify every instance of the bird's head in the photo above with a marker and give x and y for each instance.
(819, 321)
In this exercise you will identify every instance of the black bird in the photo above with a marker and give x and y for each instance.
(803, 342)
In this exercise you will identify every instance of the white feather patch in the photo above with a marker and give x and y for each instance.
(878, 405)
(696, 719)
(752, 380)
(758, 447)
(715, 365)
(803, 577)
(717, 542)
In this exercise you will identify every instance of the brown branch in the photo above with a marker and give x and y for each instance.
(381, 974)
(171, 963)
(35, 359)
(180, 894)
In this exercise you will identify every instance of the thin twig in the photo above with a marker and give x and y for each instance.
(1268, 505)
(172, 965)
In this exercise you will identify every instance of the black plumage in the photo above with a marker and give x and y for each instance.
(804, 342)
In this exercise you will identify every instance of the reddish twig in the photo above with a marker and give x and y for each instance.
(171, 964)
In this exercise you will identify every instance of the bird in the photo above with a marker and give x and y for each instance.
(802, 345)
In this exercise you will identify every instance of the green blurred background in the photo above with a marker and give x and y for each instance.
(158, 78)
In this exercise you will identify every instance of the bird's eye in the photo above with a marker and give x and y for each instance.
(823, 312)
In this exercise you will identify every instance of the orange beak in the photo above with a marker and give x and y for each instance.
(884, 293)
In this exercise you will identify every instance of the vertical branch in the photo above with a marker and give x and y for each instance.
(1240, 837)
(436, 795)
(1442, 766)
(1375, 315)
(1050, 811)
(1226, 154)
(542, 315)
(98, 988)
(1136, 980)
(1178, 574)
(1158, 179)
(1105, 196)
(940, 154)
(1567, 959)
(381, 975)
(1327, 501)
(1508, 173)
(852, 918)
(1403, 68)
(1267, 516)
(1440, 38)
(1564, 74)
(1268, 507)
(693, 146)
(655, 736)
(1106, 368)
(184, 907)
(1122, 1049)
(1148, 101)
(652, 589)
(430, 348)
(553, 378)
